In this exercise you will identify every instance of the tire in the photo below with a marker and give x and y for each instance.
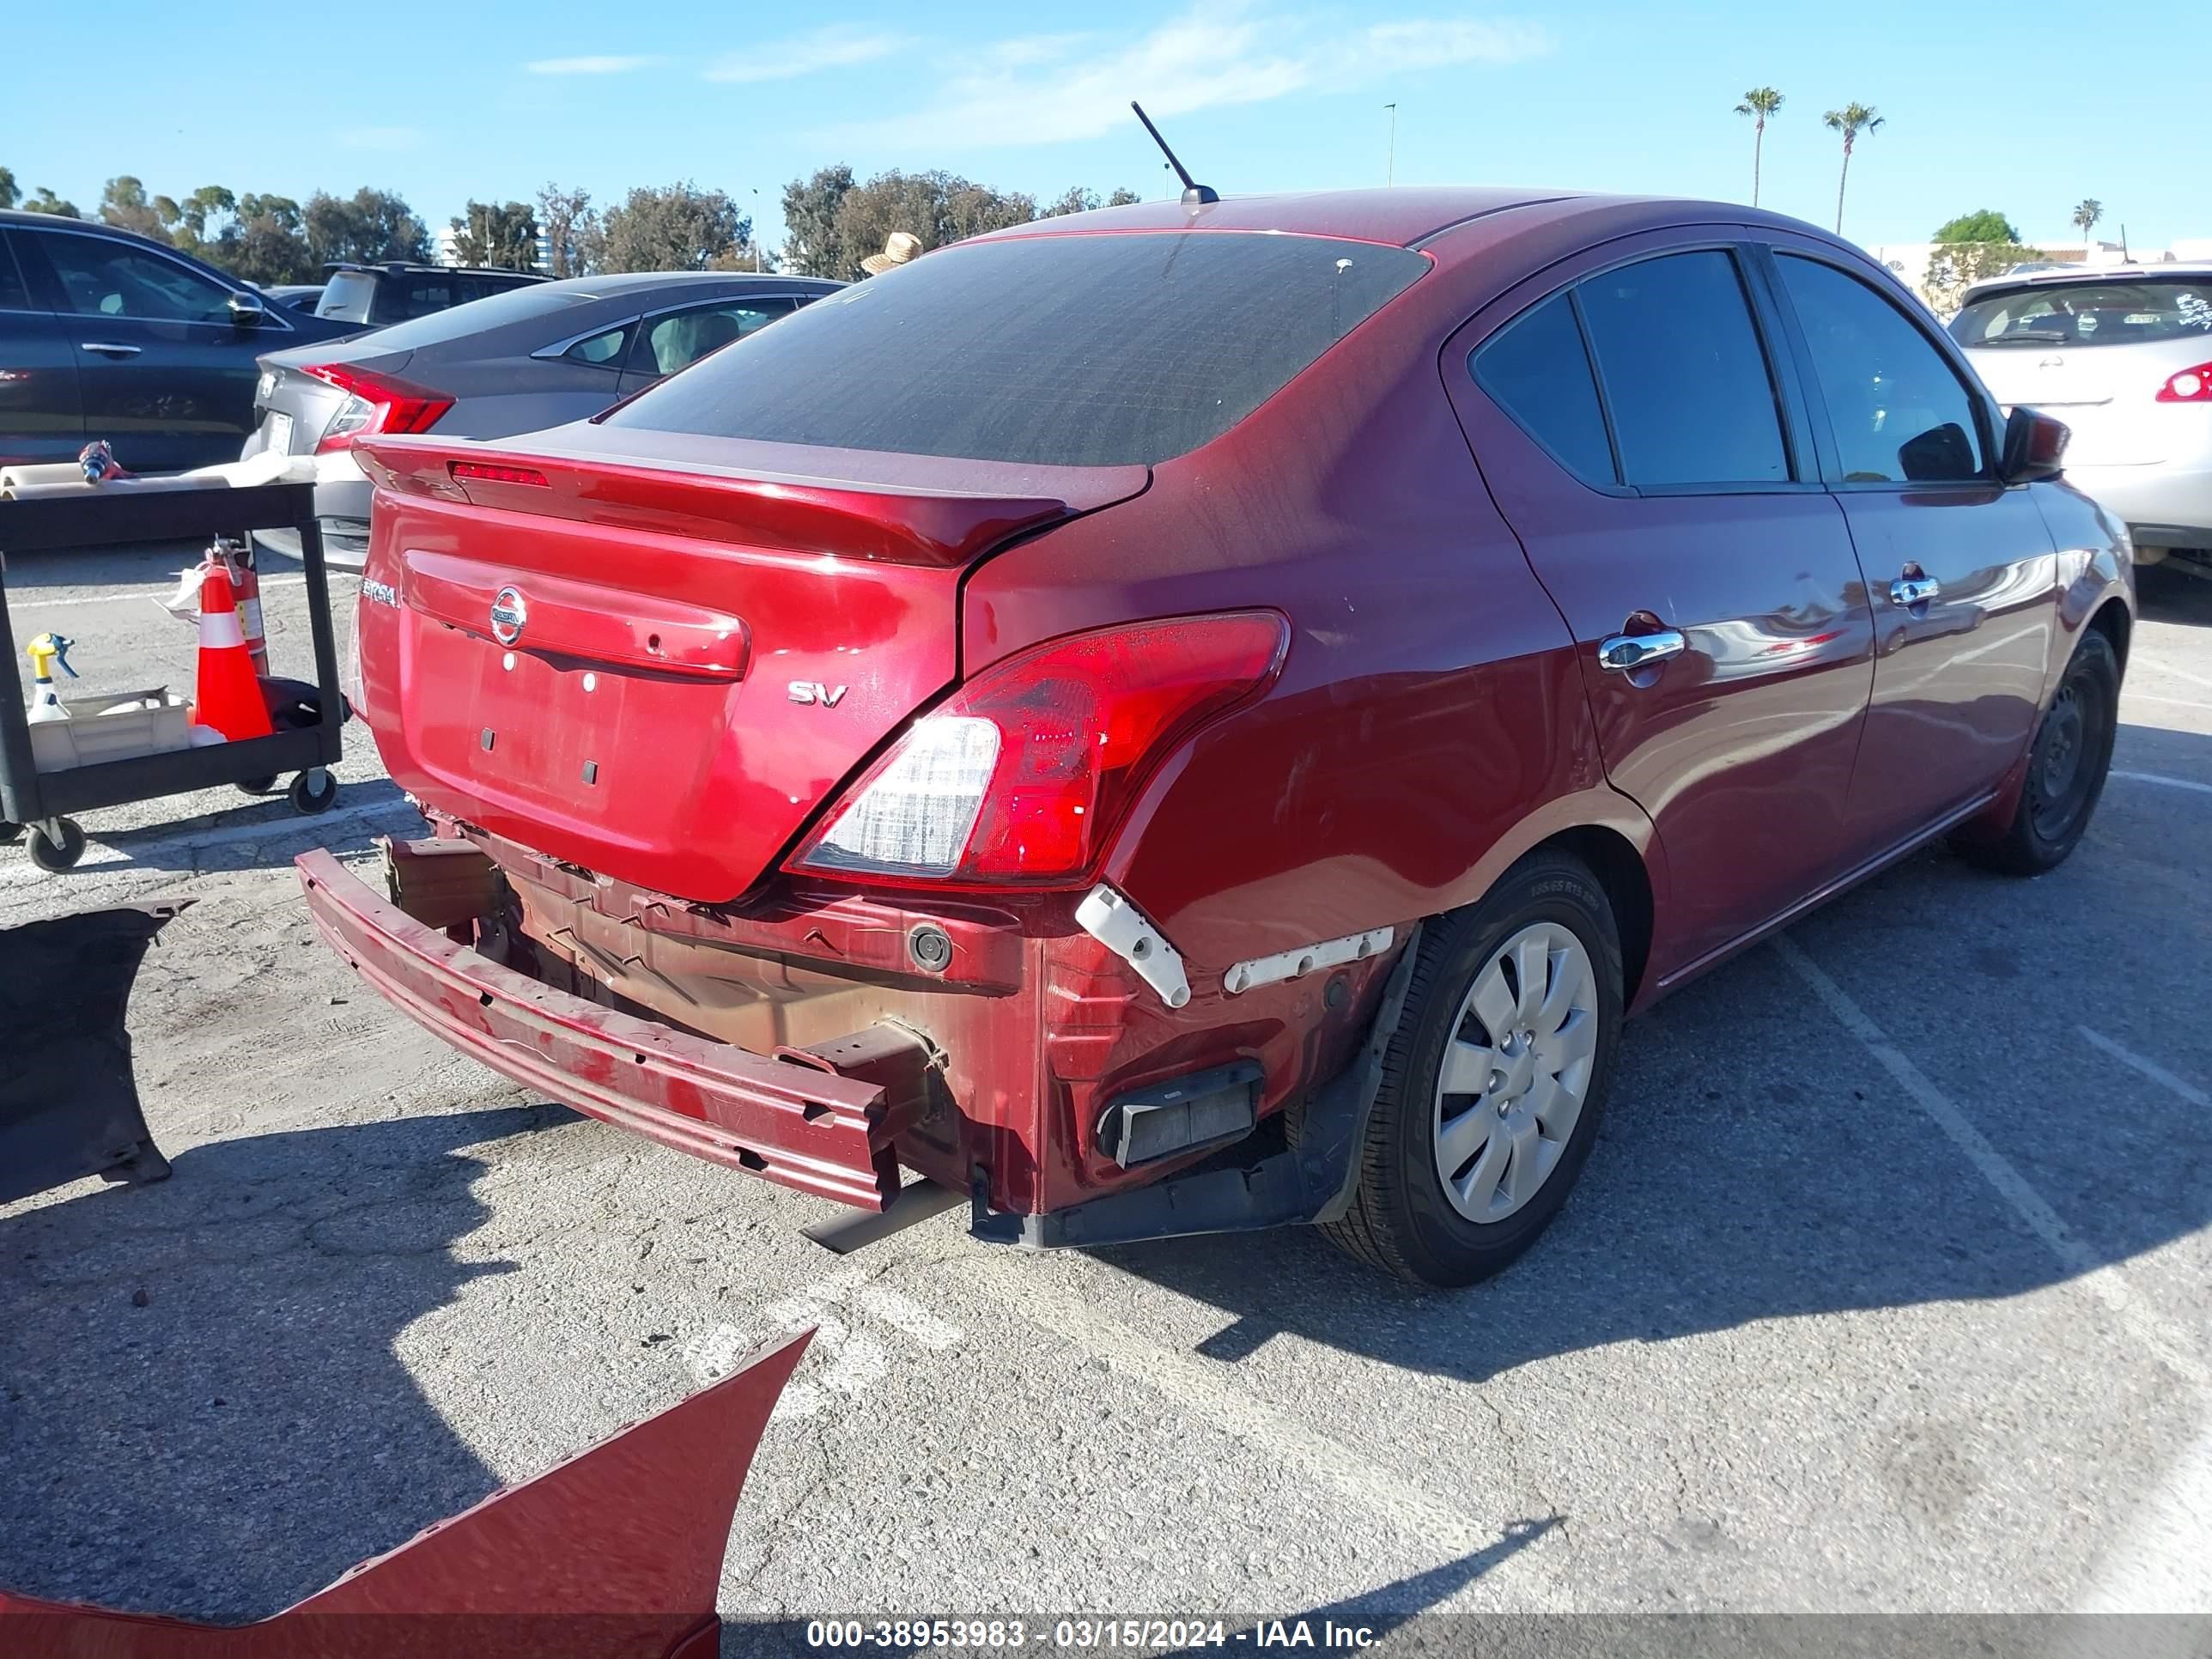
(2066, 768)
(257, 785)
(313, 791)
(10, 832)
(1402, 1221)
(57, 855)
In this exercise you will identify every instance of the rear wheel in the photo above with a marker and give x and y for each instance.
(2066, 768)
(1494, 1082)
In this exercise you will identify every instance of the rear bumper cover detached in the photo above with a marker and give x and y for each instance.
(795, 1117)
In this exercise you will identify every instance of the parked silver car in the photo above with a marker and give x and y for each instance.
(2124, 356)
(538, 356)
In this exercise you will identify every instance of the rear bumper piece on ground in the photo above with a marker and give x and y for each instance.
(795, 1118)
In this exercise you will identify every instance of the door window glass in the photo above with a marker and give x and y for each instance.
(601, 350)
(1536, 369)
(15, 294)
(1685, 379)
(104, 278)
(1900, 414)
(668, 344)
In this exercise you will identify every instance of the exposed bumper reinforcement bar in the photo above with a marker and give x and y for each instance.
(796, 1120)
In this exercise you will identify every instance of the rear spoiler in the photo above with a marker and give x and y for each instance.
(896, 517)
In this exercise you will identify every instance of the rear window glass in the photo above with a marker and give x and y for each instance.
(517, 305)
(2121, 312)
(1049, 351)
(1539, 372)
(347, 295)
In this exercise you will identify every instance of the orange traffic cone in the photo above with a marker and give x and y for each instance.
(227, 698)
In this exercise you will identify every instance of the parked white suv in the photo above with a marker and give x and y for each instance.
(2124, 356)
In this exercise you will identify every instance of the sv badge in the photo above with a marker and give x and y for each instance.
(813, 692)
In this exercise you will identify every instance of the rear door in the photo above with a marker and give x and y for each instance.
(165, 374)
(1650, 452)
(677, 339)
(41, 419)
(1963, 569)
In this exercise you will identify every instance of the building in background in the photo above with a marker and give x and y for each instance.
(447, 238)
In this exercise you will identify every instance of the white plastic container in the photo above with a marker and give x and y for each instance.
(115, 727)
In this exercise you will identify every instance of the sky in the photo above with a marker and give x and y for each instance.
(1984, 105)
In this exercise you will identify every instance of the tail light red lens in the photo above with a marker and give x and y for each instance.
(375, 403)
(2190, 386)
(488, 472)
(1024, 776)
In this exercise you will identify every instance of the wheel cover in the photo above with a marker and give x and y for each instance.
(1516, 1071)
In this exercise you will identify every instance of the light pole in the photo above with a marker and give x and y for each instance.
(1390, 165)
(757, 256)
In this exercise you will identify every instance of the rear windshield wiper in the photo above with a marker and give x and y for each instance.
(2027, 336)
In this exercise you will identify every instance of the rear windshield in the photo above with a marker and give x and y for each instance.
(1098, 351)
(517, 305)
(347, 295)
(2125, 311)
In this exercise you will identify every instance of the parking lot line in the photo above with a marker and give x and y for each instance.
(31, 602)
(150, 856)
(2102, 1280)
(2160, 777)
(1201, 1389)
(2151, 1069)
(2177, 702)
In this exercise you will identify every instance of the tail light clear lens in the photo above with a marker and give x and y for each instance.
(375, 403)
(1025, 773)
(2190, 386)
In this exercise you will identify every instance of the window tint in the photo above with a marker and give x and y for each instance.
(1538, 371)
(1096, 350)
(102, 278)
(1684, 378)
(418, 297)
(15, 293)
(1898, 412)
(669, 343)
(601, 350)
(347, 296)
(517, 305)
(2075, 314)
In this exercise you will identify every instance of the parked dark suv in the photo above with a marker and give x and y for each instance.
(107, 335)
(369, 296)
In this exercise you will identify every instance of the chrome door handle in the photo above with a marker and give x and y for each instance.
(1622, 652)
(1914, 589)
(109, 349)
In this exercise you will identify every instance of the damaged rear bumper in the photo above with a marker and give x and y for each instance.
(822, 1120)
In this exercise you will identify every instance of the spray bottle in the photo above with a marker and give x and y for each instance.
(45, 651)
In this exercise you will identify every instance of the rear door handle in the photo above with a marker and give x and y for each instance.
(1910, 591)
(1622, 652)
(109, 349)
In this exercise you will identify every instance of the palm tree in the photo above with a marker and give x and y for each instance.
(2087, 215)
(1850, 120)
(1759, 102)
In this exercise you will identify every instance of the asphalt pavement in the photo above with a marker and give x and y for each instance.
(1889, 1287)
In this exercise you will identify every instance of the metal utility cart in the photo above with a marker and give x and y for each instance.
(106, 517)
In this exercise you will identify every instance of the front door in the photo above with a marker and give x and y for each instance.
(40, 420)
(165, 375)
(1964, 571)
(1630, 423)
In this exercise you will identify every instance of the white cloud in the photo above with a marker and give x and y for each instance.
(839, 47)
(589, 65)
(380, 137)
(1040, 89)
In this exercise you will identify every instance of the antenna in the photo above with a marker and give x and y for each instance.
(1194, 193)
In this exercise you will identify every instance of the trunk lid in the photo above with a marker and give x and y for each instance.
(659, 660)
(2106, 394)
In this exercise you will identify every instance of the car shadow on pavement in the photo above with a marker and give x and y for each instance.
(1758, 1162)
(2164, 595)
(203, 1410)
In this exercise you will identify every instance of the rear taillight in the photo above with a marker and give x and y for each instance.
(375, 403)
(1025, 774)
(2190, 386)
(488, 472)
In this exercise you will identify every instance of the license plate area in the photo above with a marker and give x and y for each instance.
(277, 433)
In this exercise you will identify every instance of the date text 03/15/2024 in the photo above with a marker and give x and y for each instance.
(1127, 1635)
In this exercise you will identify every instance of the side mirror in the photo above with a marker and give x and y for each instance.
(247, 312)
(2034, 448)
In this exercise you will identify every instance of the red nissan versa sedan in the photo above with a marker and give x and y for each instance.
(1170, 720)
